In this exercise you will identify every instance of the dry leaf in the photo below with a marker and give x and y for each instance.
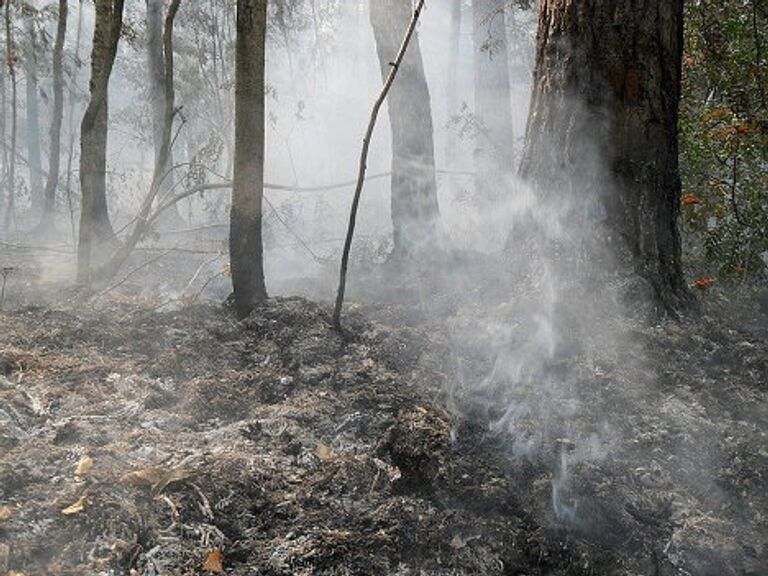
(84, 466)
(5, 513)
(78, 506)
(146, 477)
(704, 283)
(213, 562)
(323, 452)
(175, 475)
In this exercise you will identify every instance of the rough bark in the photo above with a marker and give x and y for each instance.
(415, 210)
(54, 157)
(604, 117)
(245, 242)
(10, 57)
(34, 155)
(494, 146)
(94, 216)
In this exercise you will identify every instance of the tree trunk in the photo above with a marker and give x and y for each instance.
(495, 144)
(34, 155)
(604, 119)
(415, 211)
(54, 159)
(10, 56)
(453, 73)
(157, 98)
(145, 217)
(94, 216)
(3, 128)
(72, 133)
(245, 242)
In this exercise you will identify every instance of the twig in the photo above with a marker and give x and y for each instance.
(205, 285)
(295, 234)
(364, 161)
(132, 272)
(734, 202)
(203, 264)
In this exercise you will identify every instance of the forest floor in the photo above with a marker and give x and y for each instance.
(146, 441)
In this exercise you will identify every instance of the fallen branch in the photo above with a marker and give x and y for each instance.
(132, 272)
(167, 202)
(364, 161)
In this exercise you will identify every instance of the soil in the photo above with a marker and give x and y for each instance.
(148, 441)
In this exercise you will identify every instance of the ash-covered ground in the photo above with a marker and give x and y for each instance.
(147, 441)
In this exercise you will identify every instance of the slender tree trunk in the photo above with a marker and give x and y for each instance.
(71, 129)
(34, 156)
(245, 242)
(145, 218)
(415, 211)
(10, 55)
(3, 128)
(604, 116)
(453, 72)
(54, 157)
(495, 145)
(94, 215)
(157, 97)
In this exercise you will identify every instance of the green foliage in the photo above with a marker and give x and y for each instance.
(724, 138)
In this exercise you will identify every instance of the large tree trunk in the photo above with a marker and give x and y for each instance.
(245, 243)
(34, 156)
(415, 212)
(54, 159)
(604, 119)
(10, 58)
(495, 144)
(94, 216)
(157, 98)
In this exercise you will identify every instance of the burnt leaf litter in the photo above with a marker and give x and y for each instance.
(145, 442)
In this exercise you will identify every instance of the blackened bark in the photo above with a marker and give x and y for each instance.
(54, 160)
(94, 215)
(495, 145)
(606, 94)
(245, 242)
(415, 211)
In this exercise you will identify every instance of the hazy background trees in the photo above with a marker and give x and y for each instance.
(456, 131)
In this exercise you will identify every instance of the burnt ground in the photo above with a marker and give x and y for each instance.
(146, 442)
